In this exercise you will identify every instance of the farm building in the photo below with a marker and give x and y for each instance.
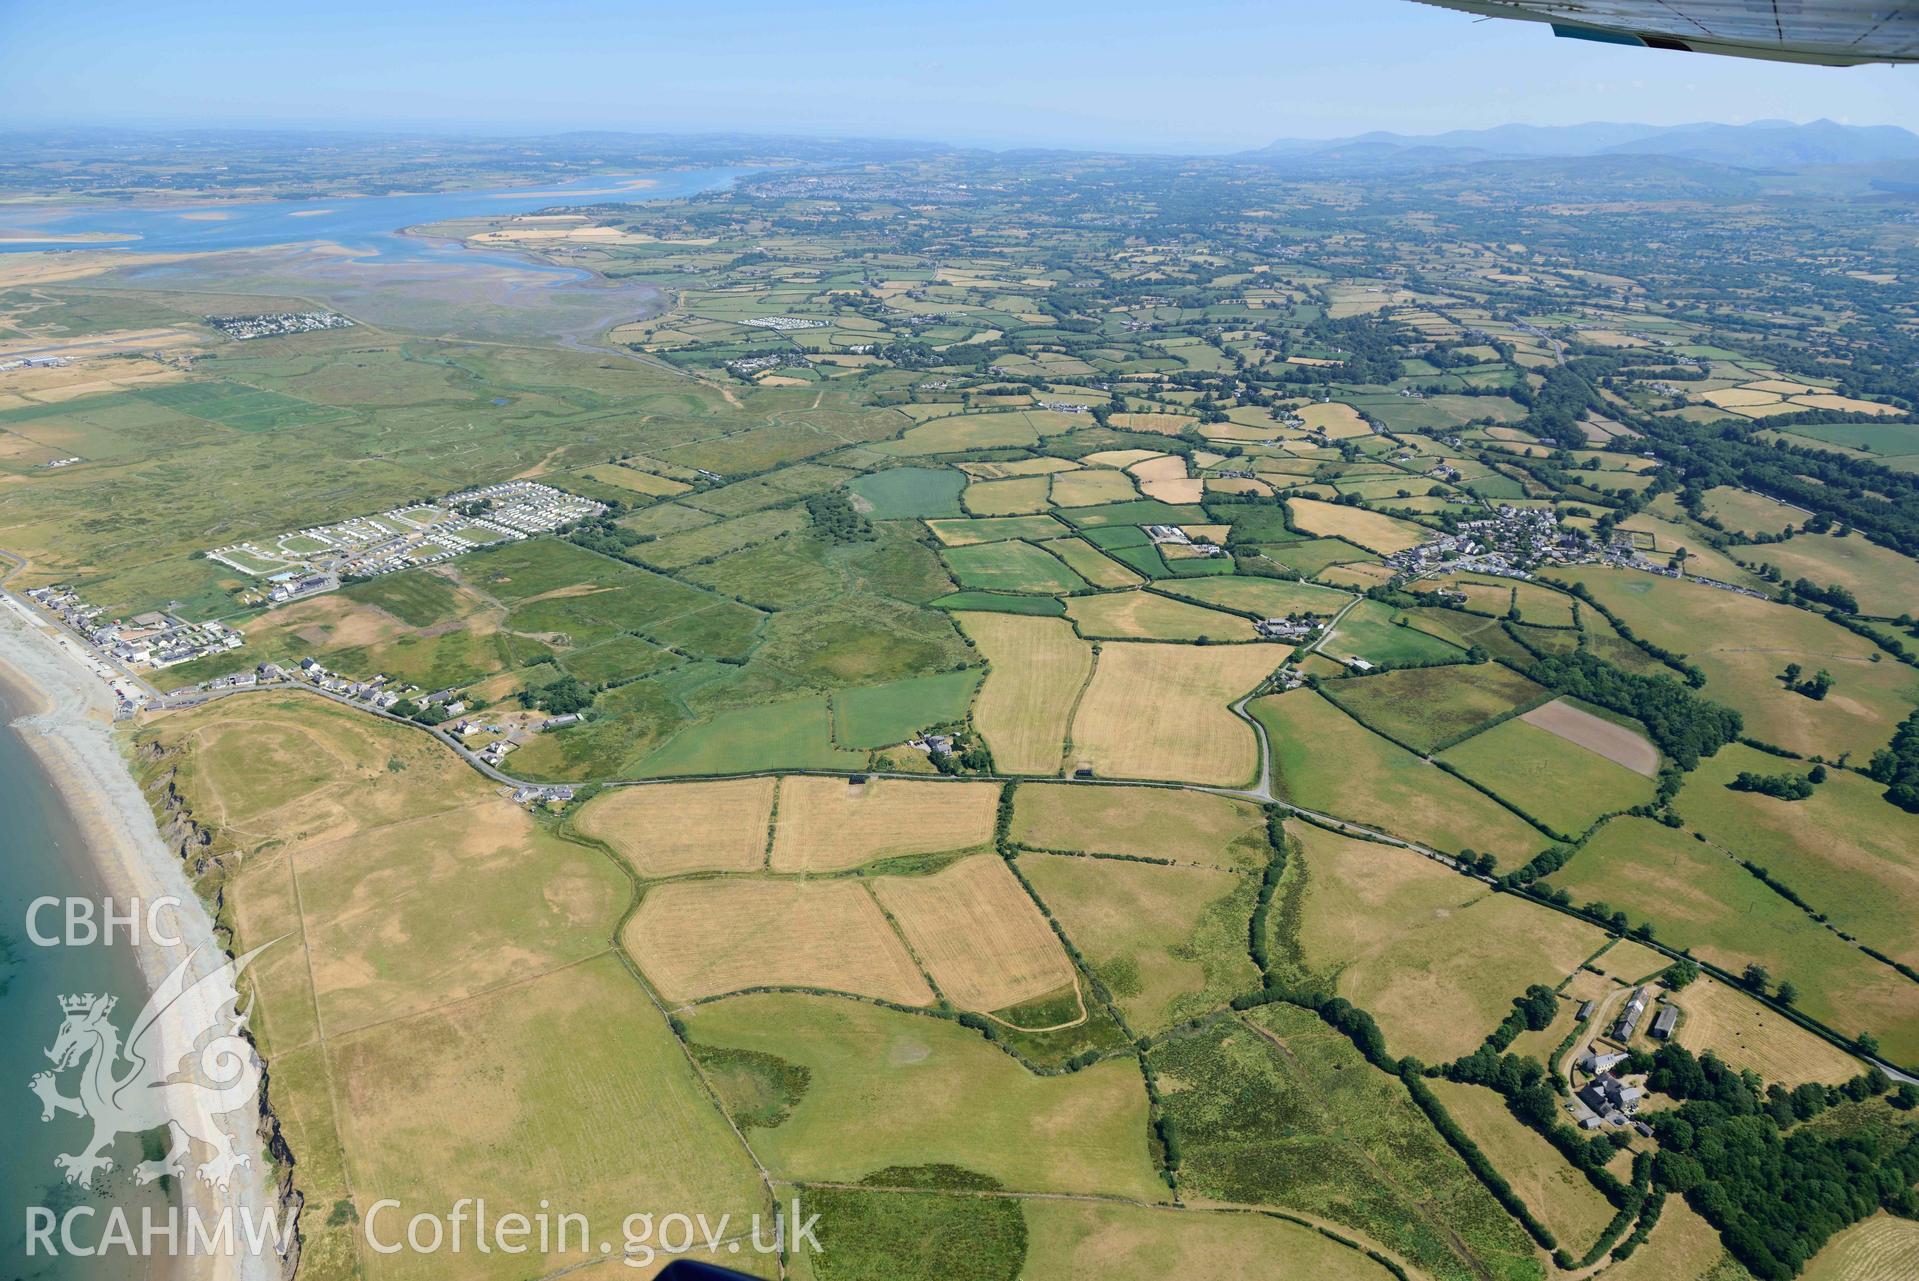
(1593, 1063)
(1629, 1017)
(1584, 1012)
(1667, 1019)
(1611, 1099)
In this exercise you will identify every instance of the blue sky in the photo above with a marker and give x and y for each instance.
(1200, 75)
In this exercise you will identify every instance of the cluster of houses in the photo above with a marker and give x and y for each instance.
(1174, 536)
(152, 640)
(1606, 1099)
(304, 561)
(748, 365)
(1511, 543)
(273, 324)
(1293, 627)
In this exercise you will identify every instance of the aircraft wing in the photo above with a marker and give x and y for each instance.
(1838, 33)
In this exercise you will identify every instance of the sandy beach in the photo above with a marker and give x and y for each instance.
(72, 733)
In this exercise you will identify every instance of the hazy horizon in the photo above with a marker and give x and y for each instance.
(1213, 76)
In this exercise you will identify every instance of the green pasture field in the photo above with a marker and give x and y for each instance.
(1141, 822)
(785, 573)
(1266, 597)
(994, 529)
(1697, 897)
(636, 601)
(958, 434)
(1436, 957)
(677, 551)
(621, 658)
(1844, 849)
(1144, 511)
(662, 519)
(1089, 563)
(1017, 495)
(1312, 556)
(1892, 440)
(1168, 942)
(1278, 1109)
(1429, 706)
(241, 408)
(996, 603)
(873, 716)
(1402, 414)
(1010, 567)
(716, 629)
(855, 640)
(1326, 761)
(1716, 629)
(417, 597)
(909, 492)
(1885, 583)
(1109, 538)
(1384, 636)
(1141, 557)
(1560, 783)
(892, 1089)
(796, 734)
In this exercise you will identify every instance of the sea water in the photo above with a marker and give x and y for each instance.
(42, 854)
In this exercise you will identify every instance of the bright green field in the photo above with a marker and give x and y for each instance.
(1168, 942)
(904, 492)
(1010, 567)
(790, 735)
(1326, 761)
(1267, 597)
(1844, 849)
(1276, 1108)
(888, 1088)
(872, 716)
(1699, 898)
(1372, 632)
(1425, 707)
(1559, 783)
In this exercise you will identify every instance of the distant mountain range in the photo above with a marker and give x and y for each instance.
(1764, 144)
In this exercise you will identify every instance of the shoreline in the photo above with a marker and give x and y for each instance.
(70, 732)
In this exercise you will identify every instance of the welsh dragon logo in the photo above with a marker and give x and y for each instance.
(128, 1087)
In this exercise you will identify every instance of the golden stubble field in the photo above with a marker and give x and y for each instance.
(443, 1011)
(978, 933)
(666, 829)
(829, 824)
(1161, 711)
(703, 938)
(1038, 669)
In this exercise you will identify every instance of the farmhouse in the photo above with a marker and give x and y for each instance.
(1595, 1063)
(1610, 1099)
